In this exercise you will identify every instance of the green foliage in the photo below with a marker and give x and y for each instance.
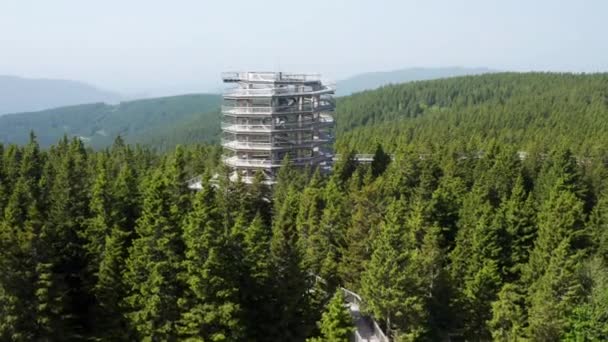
(489, 222)
(530, 110)
(380, 161)
(161, 122)
(336, 322)
(154, 265)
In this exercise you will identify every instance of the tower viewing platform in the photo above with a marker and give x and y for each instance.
(269, 115)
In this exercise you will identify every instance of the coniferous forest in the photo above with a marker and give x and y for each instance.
(483, 215)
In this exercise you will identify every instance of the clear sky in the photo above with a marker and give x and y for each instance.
(142, 45)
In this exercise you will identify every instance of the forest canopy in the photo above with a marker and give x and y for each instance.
(484, 215)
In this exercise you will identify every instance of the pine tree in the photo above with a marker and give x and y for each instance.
(118, 217)
(258, 280)
(554, 295)
(476, 262)
(598, 226)
(68, 214)
(555, 287)
(509, 319)
(445, 205)
(365, 218)
(211, 308)
(336, 323)
(310, 211)
(12, 166)
(291, 281)
(384, 282)
(178, 188)
(345, 167)
(99, 225)
(516, 217)
(588, 321)
(333, 227)
(380, 161)
(560, 218)
(560, 166)
(17, 266)
(110, 289)
(154, 265)
(259, 198)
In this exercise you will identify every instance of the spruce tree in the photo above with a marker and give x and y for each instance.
(258, 281)
(384, 282)
(509, 319)
(292, 283)
(555, 262)
(336, 323)
(361, 231)
(154, 264)
(476, 262)
(588, 321)
(100, 223)
(333, 226)
(380, 161)
(518, 216)
(68, 215)
(310, 211)
(598, 226)
(17, 266)
(210, 305)
(554, 295)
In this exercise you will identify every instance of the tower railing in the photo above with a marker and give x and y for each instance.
(235, 161)
(277, 127)
(260, 92)
(265, 146)
(269, 77)
(268, 110)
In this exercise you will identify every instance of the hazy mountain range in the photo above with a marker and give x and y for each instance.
(19, 94)
(81, 110)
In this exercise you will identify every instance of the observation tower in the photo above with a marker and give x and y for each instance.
(269, 115)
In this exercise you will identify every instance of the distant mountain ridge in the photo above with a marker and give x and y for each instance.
(165, 121)
(98, 124)
(373, 80)
(18, 94)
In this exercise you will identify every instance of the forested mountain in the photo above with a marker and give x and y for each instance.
(456, 232)
(19, 94)
(373, 80)
(529, 110)
(195, 117)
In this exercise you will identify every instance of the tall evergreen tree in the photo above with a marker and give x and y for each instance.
(257, 290)
(476, 261)
(336, 324)
(385, 280)
(380, 161)
(367, 211)
(211, 308)
(292, 283)
(68, 214)
(154, 265)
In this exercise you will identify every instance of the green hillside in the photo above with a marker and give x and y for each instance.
(373, 80)
(530, 110)
(98, 124)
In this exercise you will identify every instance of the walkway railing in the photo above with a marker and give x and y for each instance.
(365, 332)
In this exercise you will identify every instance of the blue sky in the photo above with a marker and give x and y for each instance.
(137, 45)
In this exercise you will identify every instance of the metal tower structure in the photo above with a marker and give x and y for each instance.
(269, 115)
